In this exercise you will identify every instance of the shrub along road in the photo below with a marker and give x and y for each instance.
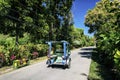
(81, 59)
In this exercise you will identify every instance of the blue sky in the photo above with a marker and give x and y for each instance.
(79, 10)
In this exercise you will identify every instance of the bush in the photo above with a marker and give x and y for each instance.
(34, 55)
(41, 49)
(23, 52)
(117, 62)
(25, 39)
(3, 39)
(76, 44)
(2, 59)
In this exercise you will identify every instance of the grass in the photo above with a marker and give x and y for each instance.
(94, 74)
(7, 69)
(37, 60)
(98, 71)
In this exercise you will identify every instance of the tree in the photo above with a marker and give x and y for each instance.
(104, 21)
(34, 16)
(59, 13)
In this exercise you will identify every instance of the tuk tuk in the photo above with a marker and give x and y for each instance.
(59, 54)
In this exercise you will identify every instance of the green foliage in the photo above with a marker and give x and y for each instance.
(25, 39)
(20, 63)
(1, 49)
(117, 61)
(26, 25)
(42, 19)
(41, 49)
(16, 63)
(8, 49)
(2, 56)
(3, 38)
(76, 43)
(23, 52)
(99, 71)
(77, 38)
(104, 21)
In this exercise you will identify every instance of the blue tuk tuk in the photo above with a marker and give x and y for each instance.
(59, 54)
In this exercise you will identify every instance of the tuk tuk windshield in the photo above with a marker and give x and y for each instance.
(57, 49)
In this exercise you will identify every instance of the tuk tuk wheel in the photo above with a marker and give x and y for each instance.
(69, 63)
(64, 66)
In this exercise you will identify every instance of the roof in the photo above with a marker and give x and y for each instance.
(63, 41)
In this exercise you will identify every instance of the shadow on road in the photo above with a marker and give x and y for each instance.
(57, 67)
(86, 52)
(87, 48)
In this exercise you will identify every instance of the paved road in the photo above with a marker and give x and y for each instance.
(79, 70)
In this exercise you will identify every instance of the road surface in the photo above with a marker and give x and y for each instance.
(81, 59)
